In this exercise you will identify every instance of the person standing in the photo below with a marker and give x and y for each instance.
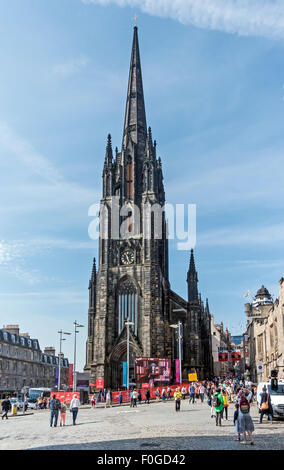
(147, 396)
(120, 398)
(168, 393)
(244, 419)
(226, 403)
(25, 405)
(191, 393)
(108, 399)
(139, 397)
(63, 410)
(218, 404)
(201, 392)
(183, 392)
(177, 398)
(54, 407)
(236, 422)
(134, 397)
(265, 405)
(6, 406)
(74, 408)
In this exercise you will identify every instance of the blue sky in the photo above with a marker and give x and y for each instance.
(213, 81)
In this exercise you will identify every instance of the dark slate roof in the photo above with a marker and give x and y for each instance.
(263, 292)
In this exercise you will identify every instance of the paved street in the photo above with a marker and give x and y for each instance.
(156, 426)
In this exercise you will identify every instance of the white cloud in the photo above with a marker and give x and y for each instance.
(71, 67)
(244, 17)
(14, 144)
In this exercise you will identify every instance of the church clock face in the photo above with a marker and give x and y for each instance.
(127, 257)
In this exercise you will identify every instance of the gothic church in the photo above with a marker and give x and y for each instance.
(132, 278)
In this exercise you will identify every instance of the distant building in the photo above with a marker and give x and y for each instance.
(23, 364)
(265, 330)
(221, 340)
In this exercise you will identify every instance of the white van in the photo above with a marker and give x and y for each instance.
(277, 397)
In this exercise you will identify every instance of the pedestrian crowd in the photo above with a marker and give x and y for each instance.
(218, 394)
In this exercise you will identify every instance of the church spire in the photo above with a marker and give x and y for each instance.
(135, 125)
(192, 280)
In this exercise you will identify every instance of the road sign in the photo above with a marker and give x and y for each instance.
(192, 377)
(259, 366)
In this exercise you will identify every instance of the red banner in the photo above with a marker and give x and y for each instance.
(65, 396)
(100, 383)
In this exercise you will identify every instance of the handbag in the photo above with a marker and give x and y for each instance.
(265, 404)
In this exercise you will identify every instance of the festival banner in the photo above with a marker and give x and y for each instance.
(236, 355)
(70, 376)
(177, 371)
(124, 374)
(223, 355)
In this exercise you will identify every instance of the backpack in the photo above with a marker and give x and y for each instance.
(216, 401)
(57, 405)
(244, 405)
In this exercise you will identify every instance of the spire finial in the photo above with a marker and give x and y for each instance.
(135, 20)
(108, 159)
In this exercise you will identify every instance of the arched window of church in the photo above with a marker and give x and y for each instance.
(127, 305)
(129, 178)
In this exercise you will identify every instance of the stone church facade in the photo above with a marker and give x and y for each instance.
(131, 280)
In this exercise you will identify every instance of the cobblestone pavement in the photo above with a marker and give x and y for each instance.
(148, 427)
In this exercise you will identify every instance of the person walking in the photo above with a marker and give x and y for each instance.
(183, 392)
(54, 407)
(139, 397)
(191, 393)
(6, 406)
(218, 404)
(93, 401)
(131, 398)
(74, 408)
(120, 398)
(177, 398)
(265, 405)
(147, 396)
(244, 419)
(226, 403)
(164, 395)
(63, 410)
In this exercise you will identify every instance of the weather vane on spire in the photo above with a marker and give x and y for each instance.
(136, 18)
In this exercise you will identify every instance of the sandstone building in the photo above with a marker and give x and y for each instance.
(265, 328)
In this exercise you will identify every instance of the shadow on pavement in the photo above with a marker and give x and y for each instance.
(199, 442)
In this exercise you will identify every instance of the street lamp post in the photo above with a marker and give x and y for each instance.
(178, 327)
(77, 325)
(59, 359)
(128, 323)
